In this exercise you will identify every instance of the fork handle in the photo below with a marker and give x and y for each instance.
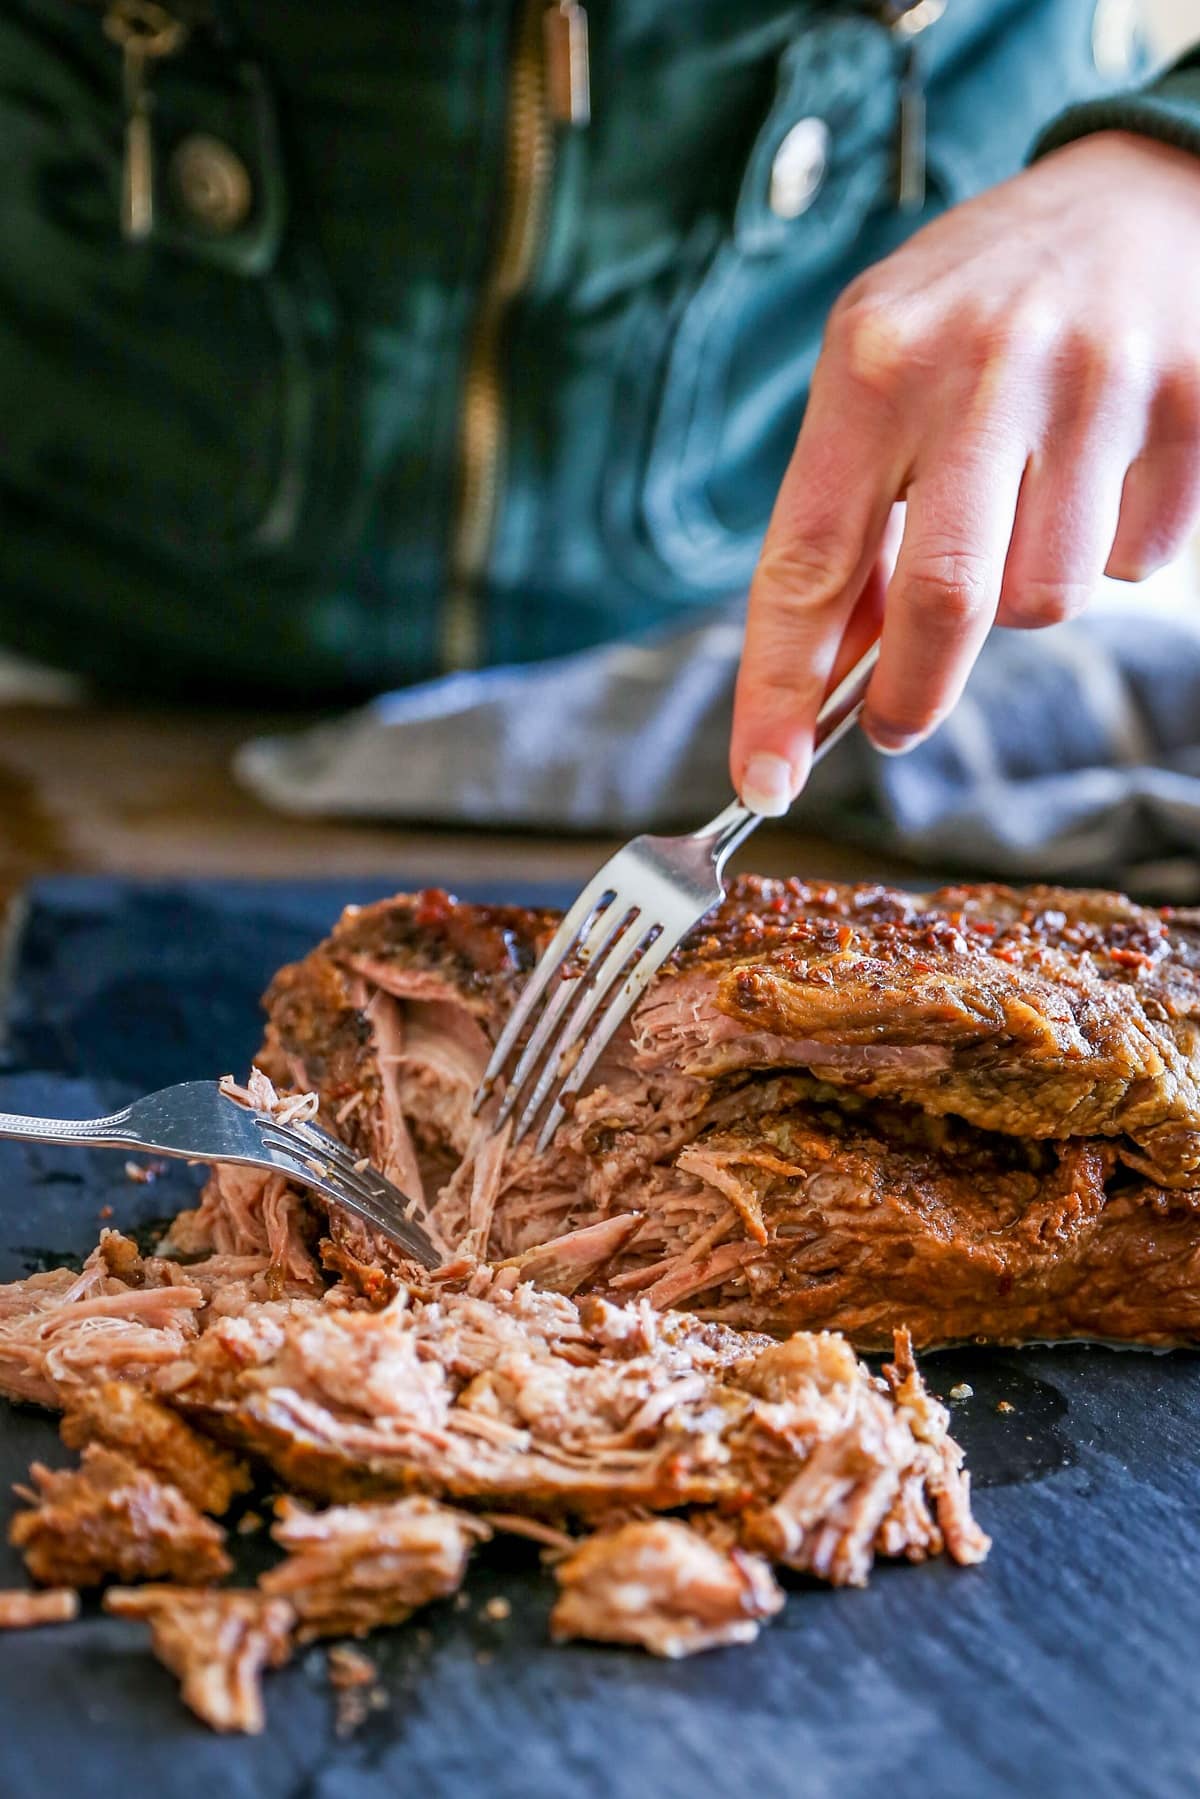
(840, 711)
(111, 1132)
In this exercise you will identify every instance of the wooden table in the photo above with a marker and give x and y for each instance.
(151, 794)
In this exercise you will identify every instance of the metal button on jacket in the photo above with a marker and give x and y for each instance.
(211, 183)
(799, 168)
(1115, 36)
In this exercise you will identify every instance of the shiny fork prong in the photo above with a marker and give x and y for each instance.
(589, 954)
(330, 1147)
(309, 1160)
(629, 943)
(283, 1139)
(595, 899)
(640, 975)
(316, 1149)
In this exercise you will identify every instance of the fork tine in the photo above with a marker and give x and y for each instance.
(635, 984)
(595, 898)
(371, 1179)
(340, 1181)
(609, 970)
(591, 951)
(335, 1159)
(399, 1230)
(333, 1150)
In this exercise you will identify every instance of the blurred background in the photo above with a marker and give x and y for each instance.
(147, 791)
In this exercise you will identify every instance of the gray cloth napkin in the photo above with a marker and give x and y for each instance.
(1074, 754)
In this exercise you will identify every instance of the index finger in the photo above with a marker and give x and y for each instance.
(821, 544)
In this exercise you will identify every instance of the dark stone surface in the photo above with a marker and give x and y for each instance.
(1064, 1666)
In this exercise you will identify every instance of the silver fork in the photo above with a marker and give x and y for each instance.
(633, 913)
(199, 1123)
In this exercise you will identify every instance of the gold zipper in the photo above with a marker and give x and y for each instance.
(529, 160)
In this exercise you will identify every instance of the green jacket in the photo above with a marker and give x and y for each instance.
(411, 373)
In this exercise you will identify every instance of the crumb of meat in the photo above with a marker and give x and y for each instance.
(349, 1667)
(123, 1417)
(497, 1610)
(20, 1610)
(662, 1585)
(353, 1567)
(144, 1174)
(105, 1212)
(248, 1523)
(110, 1518)
(217, 1643)
(1005, 1405)
(963, 1390)
(354, 1679)
(259, 1095)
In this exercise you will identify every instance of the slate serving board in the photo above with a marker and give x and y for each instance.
(1065, 1665)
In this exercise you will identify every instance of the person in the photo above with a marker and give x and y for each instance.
(344, 347)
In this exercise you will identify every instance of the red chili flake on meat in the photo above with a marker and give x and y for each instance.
(1131, 958)
(845, 937)
(434, 907)
(986, 926)
(1003, 953)
(921, 966)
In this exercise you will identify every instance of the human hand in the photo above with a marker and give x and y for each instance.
(1024, 373)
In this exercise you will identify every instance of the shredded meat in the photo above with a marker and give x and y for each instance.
(20, 1610)
(255, 1215)
(354, 1567)
(354, 1679)
(259, 1095)
(661, 1584)
(109, 1518)
(799, 1096)
(835, 1109)
(60, 1332)
(523, 1400)
(217, 1643)
(151, 1434)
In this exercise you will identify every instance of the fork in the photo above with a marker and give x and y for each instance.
(199, 1123)
(633, 913)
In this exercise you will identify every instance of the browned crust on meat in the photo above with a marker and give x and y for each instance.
(124, 1417)
(108, 1519)
(1035, 1017)
(882, 1213)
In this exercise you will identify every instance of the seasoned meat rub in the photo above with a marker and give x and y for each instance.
(975, 1112)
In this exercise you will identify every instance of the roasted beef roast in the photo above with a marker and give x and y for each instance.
(974, 1112)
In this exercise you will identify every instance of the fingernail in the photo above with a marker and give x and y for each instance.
(767, 785)
(890, 742)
